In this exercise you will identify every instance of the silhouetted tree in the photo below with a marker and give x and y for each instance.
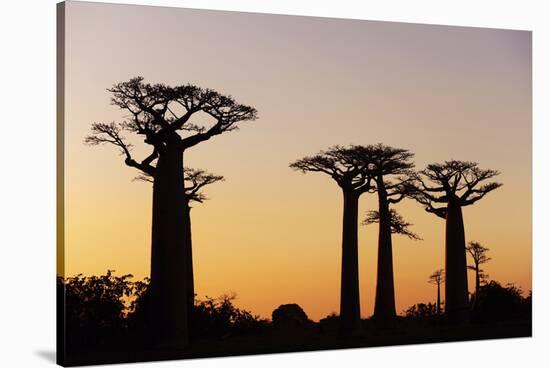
(500, 303)
(345, 166)
(479, 256)
(95, 309)
(437, 278)
(397, 226)
(162, 115)
(391, 169)
(453, 185)
(194, 181)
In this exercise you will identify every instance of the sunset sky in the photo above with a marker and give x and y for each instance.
(270, 234)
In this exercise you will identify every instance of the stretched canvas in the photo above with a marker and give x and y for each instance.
(234, 183)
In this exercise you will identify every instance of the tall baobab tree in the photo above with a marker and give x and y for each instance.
(479, 255)
(397, 226)
(391, 169)
(167, 119)
(345, 166)
(444, 189)
(437, 278)
(194, 181)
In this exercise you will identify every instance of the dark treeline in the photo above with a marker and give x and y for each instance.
(162, 314)
(107, 322)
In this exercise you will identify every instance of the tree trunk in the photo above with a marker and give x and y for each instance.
(384, 304)
(477, 280)
(438, 299)
(474, 300)
(190, 280)
(168, 287)
(456, 283)
(349, 291)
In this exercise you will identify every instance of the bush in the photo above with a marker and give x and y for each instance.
(422, 311)
(94, 308)
(289, 315)
(330, 323)
(498, 303)
(218, 318)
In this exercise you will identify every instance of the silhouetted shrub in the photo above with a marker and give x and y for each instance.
(218, 317)
(330, 323)
(95, 310)
(289, 315)
(498, 303)
(138, 311)
(422, 311)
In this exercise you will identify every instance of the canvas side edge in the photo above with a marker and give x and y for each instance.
(60, 184)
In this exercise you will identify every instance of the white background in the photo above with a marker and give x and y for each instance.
(27, 181)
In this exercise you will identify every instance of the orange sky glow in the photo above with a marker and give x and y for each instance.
(269, 234)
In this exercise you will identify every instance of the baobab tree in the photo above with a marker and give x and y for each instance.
(194, 181)
(397, 226)
(479, 255)
(167, 119)
(437, 278)
(444, 189)
(346, 167)
(391, 169)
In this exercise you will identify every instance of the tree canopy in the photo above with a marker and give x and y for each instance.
(459, 181)
(346, 165)
(163, 115)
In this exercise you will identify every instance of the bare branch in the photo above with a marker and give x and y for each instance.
(195, 180)
(397, 223)
(110, 133)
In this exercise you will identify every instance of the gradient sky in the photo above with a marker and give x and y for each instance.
(268, 233)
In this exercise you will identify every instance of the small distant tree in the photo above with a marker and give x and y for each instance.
(346, 166)
(195, 181)
(437, 278)
(444, 189)
(479, 257)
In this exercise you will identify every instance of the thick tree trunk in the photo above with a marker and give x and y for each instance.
(456, 283)
(349, 291)
(190, 280)
(168, 286)
(384, 304)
